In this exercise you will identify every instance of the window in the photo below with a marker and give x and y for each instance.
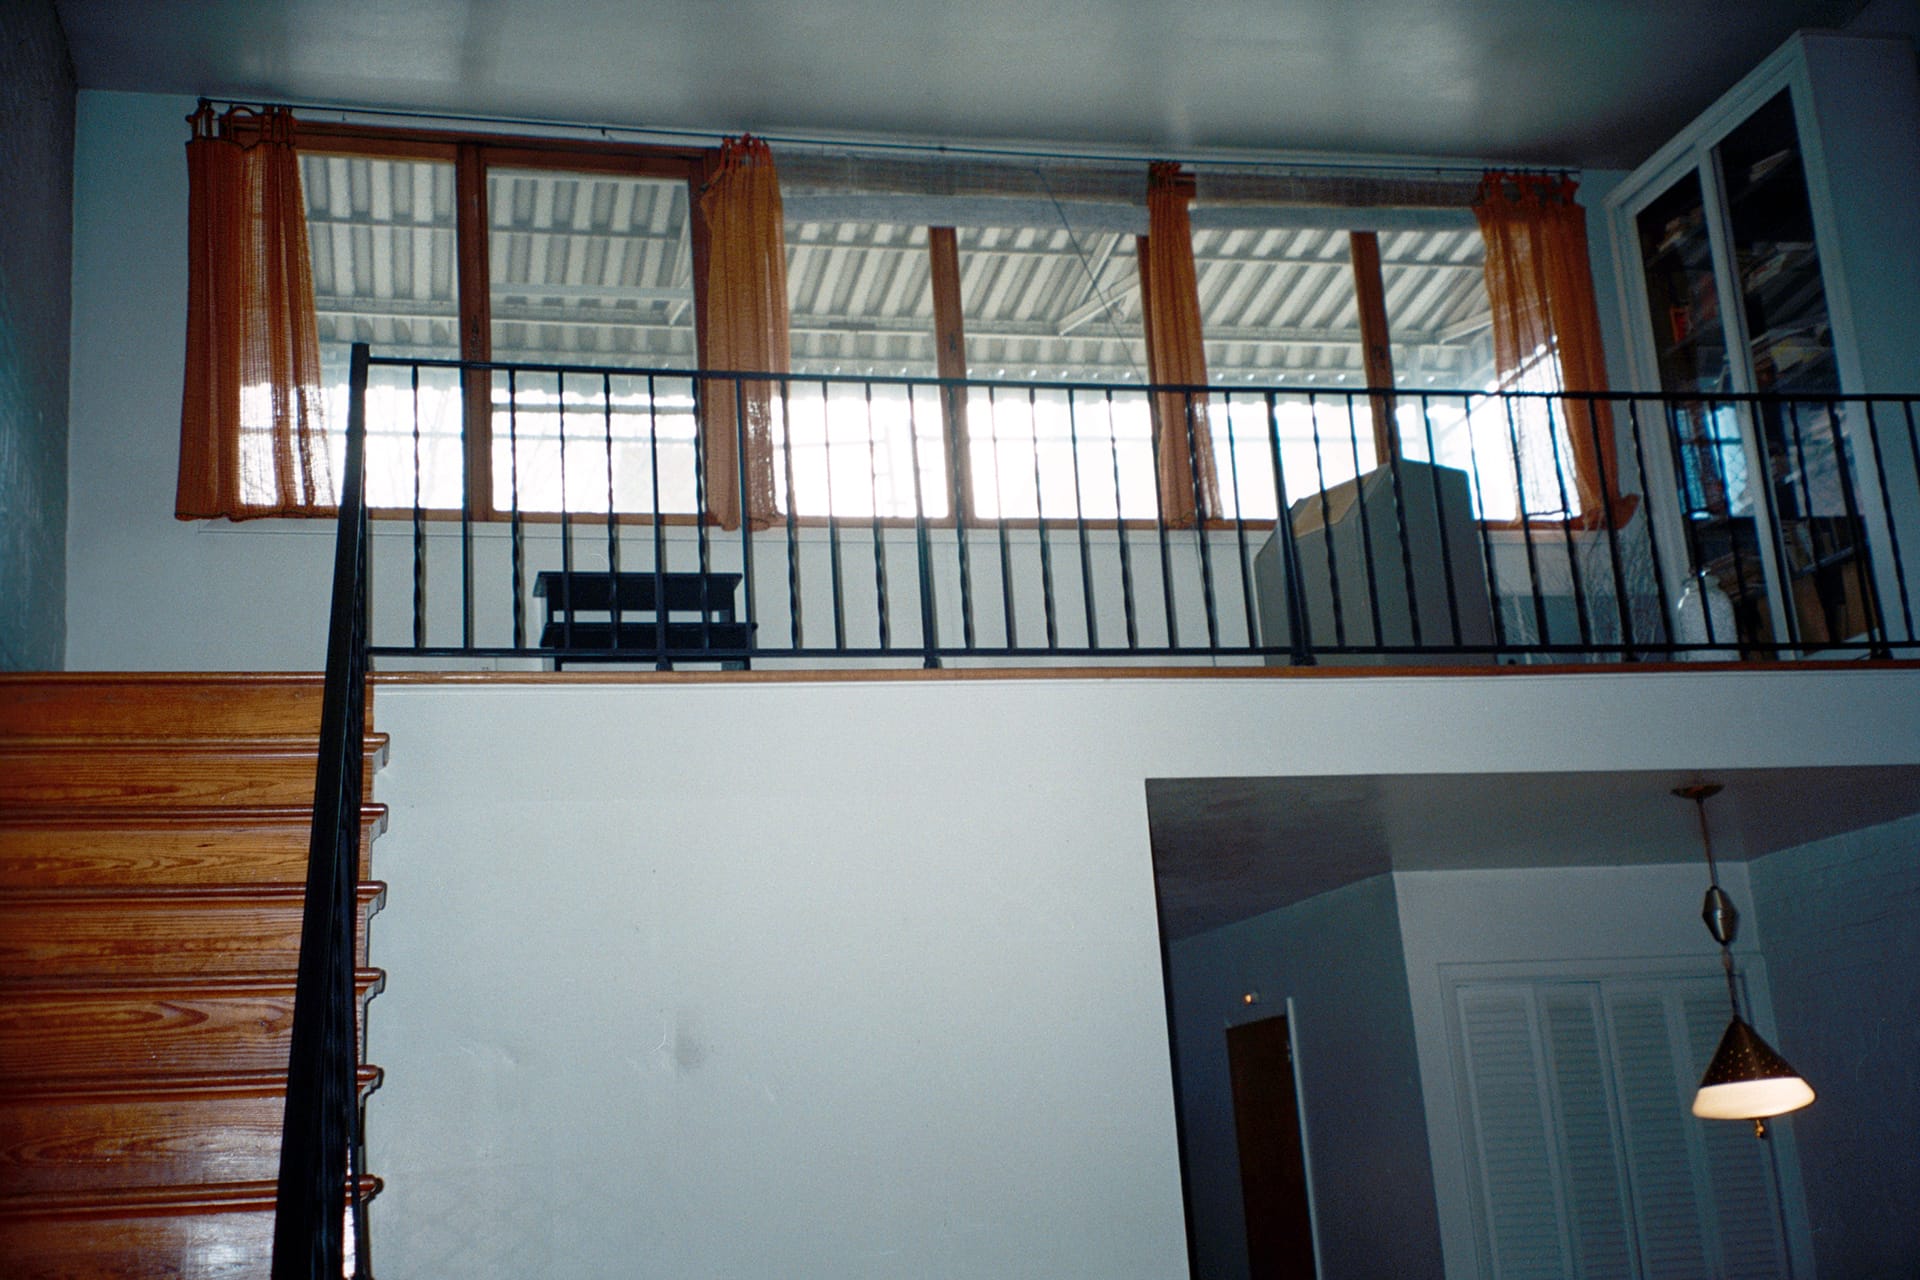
(1057, 303)
(860, 300)
(442, 247)
(540, 251)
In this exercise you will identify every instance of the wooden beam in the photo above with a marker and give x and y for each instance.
(950, 350)
(476, 321)
(1376, 350)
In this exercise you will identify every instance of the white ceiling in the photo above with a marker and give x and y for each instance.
(1226, 849)
(1594, 83)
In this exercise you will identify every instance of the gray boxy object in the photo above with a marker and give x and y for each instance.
(1349, 547)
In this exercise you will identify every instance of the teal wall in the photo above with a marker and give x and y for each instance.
(1840, 922)
(1339, 957)
(36, 236)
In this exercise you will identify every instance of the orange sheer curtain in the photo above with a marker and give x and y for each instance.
(253, 438)
(745, 329)
(1540, 283)
(1170, 308)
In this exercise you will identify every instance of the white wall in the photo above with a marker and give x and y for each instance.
(746, 978)
(1337, 956)
(145, 591)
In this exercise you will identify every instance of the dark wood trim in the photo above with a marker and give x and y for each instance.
(1369, 291)
(323, 139)
(476, 321)
(950, 349)
(900, 675)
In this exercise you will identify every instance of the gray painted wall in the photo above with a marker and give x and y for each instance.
(896, 1007)
(1338, 956)
(1842, 925)
(36, 236)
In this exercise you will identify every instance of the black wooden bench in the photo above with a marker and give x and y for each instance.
(662, 618)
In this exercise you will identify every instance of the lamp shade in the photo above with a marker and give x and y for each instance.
(1747, 1080)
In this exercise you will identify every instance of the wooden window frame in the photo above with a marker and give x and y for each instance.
(474, 156)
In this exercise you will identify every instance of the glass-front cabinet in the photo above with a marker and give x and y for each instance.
(1723, 247)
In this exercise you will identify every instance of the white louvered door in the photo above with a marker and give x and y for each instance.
(1587, 1161)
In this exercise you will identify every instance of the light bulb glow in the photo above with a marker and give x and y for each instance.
(1752, 1099)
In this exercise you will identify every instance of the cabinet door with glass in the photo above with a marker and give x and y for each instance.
(1739, 336)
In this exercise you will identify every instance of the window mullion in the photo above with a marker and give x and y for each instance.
(950, 349)
(476, 323)
(1369, 291)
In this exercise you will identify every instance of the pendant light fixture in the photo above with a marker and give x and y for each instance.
(1747, 1079)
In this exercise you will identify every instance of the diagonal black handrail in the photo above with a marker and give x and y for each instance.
(320, 1144)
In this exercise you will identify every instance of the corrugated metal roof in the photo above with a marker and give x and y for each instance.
(595, 268)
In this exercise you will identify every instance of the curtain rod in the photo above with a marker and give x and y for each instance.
(1397, 165)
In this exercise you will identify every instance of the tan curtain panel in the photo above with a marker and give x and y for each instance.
(745, 330)
(253, 439)
(1170, 309)
(1540, 283)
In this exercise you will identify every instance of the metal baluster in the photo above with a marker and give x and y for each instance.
(1440, 520)
(1653, 543)
(1759, 501)
(1544, 637)
(1000, 506)
(957, 500)
(419, 527)
(1160, 528)
(659, 516)
(879, 537)
(1782, 555)
(566, 524)
(1575, 579)
(1200, 517)
(1326, 526)
(517, 530)
(1080, 524)
(746, 530)
(1400, 527)
(929, 621)
(833, 520)
(1299, 636)
(1479, 495)
(613, 534)
(1696, 569)
(1040, 522)
(794, 626)
(1240, 524)
(1869, 582)
(703, 543)
(1366, 526)
(1886, 509)
(1120, 530)
(1627, 637)
(466, 523)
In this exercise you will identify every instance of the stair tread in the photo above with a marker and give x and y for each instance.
(160, 984)
(161, 704)
(174, 816)
(202, 1197)
(180, 1085)
(235, 894)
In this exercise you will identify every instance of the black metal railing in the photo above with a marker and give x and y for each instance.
(320, 1195)
(572, 518)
